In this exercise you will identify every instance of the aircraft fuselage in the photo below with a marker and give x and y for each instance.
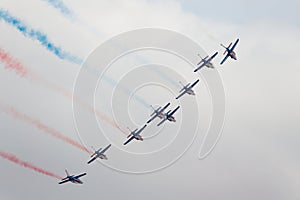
(233, 55)
(138, 137)
(102, 156)
(209, 65)
(190, 92)
(171, 119)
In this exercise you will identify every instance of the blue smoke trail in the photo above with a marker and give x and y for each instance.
(127, 91)
(37, 35)
(61, 7)
(113, 83)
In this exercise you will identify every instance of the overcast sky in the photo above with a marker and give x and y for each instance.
(257, 155)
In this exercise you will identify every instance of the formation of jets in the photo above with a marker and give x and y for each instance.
(159, 112)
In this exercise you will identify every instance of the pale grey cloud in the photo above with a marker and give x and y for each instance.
(256, 157)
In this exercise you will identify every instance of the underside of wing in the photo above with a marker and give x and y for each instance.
(162, 121)
(181, 94)
(199, 67)
(105, 149)
(131, 138)
(80, 175)
(234, 44)
(194, 84)
(64, 181)
(224, 59)
(141, 129)
(94, 158)
(154, 116)
(173, 112)
(212, 57)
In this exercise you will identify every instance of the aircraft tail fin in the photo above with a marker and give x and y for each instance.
(67, 172)
(222, 45)
(154, 110)
(181, 83)
(129, 129)
(94, 151)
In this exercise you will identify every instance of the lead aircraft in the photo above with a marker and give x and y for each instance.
(229, 51)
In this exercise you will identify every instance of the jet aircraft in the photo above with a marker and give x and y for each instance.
(169, 116)
(187, 89)
(159, 112)
(135, 134)
(72, 178)
(206, 62)
(229, 51)
(99, 154)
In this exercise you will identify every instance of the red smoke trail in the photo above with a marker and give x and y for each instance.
(11, 63)
(41, 126)
(16, 160)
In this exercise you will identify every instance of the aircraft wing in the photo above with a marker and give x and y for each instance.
(94, 158)
(212, 57)
(158, 113)
(80, 175)
(162, 121)
(181, 94)
(64, 181)
(194, 84)
(234, 44)
(105, 149)
(172, 113)
(139, 131)
(227, 55)
(131, 138)
(199, 67)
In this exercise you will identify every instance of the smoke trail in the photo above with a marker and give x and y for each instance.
(21, 116)
(70, 15)
(28, 165)
(11, 63)
(39, 36)
(166, 77)
(22, 71)
(127, 91)
(61, 7)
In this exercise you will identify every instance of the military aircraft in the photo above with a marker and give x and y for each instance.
(169, 116)
(135, 135)
(229, 51)
(206, 62)
(187, 89)
(159, 112)
(72, 178)
(99, 154)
